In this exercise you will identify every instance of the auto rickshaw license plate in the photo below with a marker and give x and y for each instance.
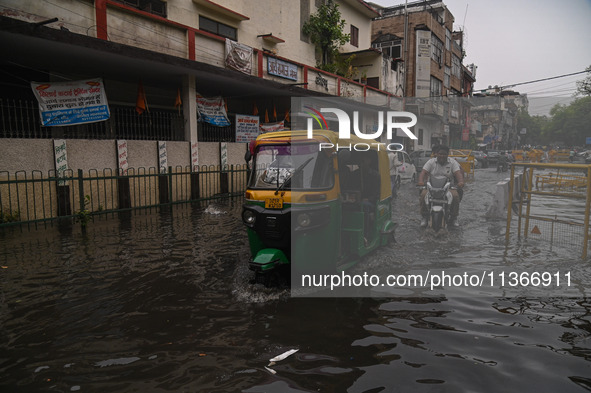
(274, 203)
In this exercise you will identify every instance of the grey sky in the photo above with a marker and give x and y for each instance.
(514, 41)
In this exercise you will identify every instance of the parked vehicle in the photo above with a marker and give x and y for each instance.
(481, 158)
(438, 200)
(315, 211)
(419, 158)
(406, 168)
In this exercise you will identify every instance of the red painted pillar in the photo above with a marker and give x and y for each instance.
(100, 8)
(305, 77)
(191, 43)
(260, 64)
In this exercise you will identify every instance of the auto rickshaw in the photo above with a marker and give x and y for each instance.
(316, 204)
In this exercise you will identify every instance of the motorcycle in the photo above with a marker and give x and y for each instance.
(438, 200)
(502, 167)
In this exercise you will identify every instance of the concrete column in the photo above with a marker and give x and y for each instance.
(190, 108)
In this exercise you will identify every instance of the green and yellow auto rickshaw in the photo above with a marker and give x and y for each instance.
(316, 204)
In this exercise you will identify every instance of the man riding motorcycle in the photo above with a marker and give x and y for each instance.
(502, 163)
(441, 166)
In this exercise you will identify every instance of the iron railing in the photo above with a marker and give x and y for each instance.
(29, 198)
(20, 119)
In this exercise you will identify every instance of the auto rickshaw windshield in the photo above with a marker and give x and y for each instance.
(298, 166)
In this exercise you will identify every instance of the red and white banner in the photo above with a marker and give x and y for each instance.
(268, 127)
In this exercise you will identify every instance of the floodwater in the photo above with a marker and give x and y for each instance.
(162, 302)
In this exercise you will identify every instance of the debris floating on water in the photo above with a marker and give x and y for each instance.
(284, 355)
(270, 370)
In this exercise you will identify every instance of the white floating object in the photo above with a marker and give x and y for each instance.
(284, 355)
(270, 370)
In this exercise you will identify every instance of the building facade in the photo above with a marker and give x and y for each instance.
(419, 36)
(251, 53)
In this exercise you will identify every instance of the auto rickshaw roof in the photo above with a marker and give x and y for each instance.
(317, 135)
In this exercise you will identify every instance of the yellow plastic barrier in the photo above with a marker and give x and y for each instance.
(465, 160)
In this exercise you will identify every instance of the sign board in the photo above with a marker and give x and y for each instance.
(195, 156)
(282, 69)
(224, 156)
(162, 157)
(73, 102)
(247, 128)
(588, 140)
(61, 159)
(423, 64)
(122, 157)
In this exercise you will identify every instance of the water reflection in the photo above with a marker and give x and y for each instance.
(163, 302)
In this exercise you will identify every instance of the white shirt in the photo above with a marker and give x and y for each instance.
(448, 169)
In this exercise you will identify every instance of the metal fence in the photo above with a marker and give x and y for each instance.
(28, 198)
(20, 119)
(551, 203)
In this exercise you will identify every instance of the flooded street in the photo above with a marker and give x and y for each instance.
(161, 301)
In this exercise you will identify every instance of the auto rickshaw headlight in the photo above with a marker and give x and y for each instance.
(249, 217)
(304, 219)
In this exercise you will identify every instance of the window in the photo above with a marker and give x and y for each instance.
(447, 39)
(420, 137)
(354, 36)
(156, 7)
(436, 49)
(455, 66)
(435, 87)
(217, 28)
(447, 72)
(391, 49)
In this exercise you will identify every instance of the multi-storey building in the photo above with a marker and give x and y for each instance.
(496, 116)
(419, 37)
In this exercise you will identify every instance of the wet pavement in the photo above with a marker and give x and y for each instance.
(162, 301)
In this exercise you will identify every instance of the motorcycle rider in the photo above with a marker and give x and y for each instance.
(502, 162)
(439, 166)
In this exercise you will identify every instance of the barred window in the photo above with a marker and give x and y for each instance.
(217, 28)
(435, 87)
(437, 49)
(391, 49)
(455, 66)
(156, 7)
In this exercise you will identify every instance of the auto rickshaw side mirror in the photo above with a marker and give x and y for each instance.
(247, 156)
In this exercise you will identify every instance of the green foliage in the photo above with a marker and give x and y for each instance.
(570, 124)
(10, 217)
(584, 86)
(325, 29)
(84, 216)
(534, 126)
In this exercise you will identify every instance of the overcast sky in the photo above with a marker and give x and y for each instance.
(515, 41)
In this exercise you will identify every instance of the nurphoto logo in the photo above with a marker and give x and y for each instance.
(344, 121)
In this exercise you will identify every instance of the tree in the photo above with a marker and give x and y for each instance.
(325, 29)
(584, 86)
(570, 124)
(533, 125)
